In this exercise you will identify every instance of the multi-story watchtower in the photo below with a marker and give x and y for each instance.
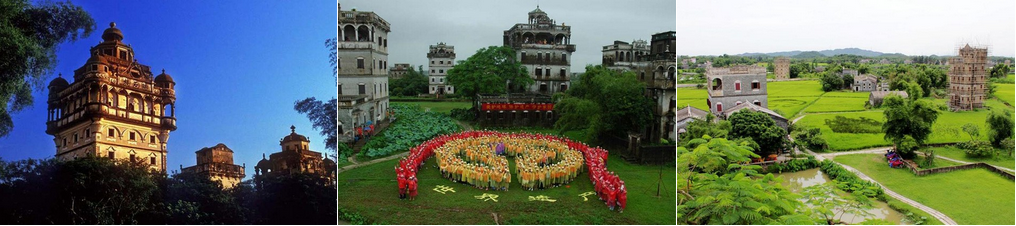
(216, 163)
(362, 52)
(442, 59)
(543, 47)
(781, 68)
(968, 78)
(115, 107)
(736, 85)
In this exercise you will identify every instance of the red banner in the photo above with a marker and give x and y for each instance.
(516, 107)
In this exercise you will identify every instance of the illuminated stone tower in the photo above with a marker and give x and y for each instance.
(115, 107)
(216, 163)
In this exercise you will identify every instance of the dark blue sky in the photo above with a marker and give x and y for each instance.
(239, 67)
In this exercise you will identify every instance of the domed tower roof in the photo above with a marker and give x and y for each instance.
(58, 84)
(537, 11)
(264, 163)
(112, 33)
(293, 136)
(164, 78)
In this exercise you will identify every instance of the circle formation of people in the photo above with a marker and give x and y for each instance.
(542, 161)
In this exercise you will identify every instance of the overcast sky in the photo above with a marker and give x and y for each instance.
(471, 25)
(910, 27)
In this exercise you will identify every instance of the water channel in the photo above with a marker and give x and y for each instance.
(797, 181)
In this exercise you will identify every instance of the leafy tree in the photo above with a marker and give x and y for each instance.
(914, 90)
(999, 71)
(619, 96)
(323, 115)
(411, 84)
(760, 128)
(488, 71)
(740, 197)
(576, 114)
(88, 190)
(848, 80)
(908, 118)
(699, 128)
(295, 199)
(831, 82)
(196, 199)
(1000, 127)
(31, 35)
(972, 130)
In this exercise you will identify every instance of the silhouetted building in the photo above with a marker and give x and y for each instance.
(216, 163)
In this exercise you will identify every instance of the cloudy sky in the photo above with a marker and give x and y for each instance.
(910, 27)
(471, 25)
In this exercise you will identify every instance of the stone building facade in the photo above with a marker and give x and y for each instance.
(781, 68)
(296, 157)
(968, 79)
(659, 75)
(398, 71)
(362, 70)
(442, 59)
(216, 163)
(115, 107)
(544, 48)
(736, 85)
(865, 83)
(624, 56)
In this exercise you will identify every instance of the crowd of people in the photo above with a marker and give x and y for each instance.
(893, 158)
(543, 161)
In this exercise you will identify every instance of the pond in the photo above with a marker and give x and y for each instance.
(797, 181)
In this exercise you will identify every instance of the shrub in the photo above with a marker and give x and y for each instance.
(977, 148)
(849, 182)
(842, 124)
(463, 114)
(793, 165)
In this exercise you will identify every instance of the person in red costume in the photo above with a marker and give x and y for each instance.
(611, 197)
(622, 197)
(412, 187)
(400, 175)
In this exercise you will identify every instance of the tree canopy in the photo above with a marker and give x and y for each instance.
(411, 84)
(908, 121)
(619, 97)
(94, 190)
(759, 127)
(31, 35)
(1000, 127)
(488, 71)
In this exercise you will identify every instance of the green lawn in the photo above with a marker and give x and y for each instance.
(371, 191)
(442, 107)
(958, 154)
(790, 106)
(837, 104)
(846, 141)
(975, 196)
(691, 96)
(1006, 92)
(947, 129)
(809, 88)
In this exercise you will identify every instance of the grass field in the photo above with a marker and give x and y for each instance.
(810, 88)
(1006, 92)
(837, 104)
(947, 129)
(371, 191)
(975, 196)
(442, 107)
(691, 96)
(958, 154)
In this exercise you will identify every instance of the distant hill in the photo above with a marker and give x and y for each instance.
(833, 52)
